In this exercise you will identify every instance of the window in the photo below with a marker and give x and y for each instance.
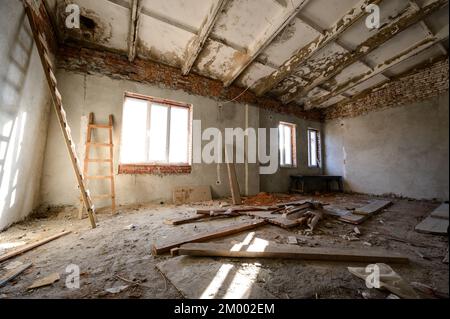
(287, 143)
(314, 148)
(156, 135)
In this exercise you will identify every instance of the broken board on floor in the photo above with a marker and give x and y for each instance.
(436, 223)
(191, 194)
(372, 208)
(208, 278)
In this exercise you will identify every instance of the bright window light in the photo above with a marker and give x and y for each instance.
(287, 138)
(155, 133)
(314, 150)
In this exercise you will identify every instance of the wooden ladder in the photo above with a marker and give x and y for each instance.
(43, 51)
(87, 160)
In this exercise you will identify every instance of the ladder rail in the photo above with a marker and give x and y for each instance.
(58, 107)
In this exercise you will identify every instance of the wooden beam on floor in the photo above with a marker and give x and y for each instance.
(159, 249)
(28, 247)
(290, 252)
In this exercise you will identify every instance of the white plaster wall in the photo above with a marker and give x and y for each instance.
(401, 151)
(24, 109)
(83, 94)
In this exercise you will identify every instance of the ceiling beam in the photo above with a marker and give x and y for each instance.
(133, 34)
(195, 47)
(406, 54)
(302, 55)
(241, 63)
(406, 19)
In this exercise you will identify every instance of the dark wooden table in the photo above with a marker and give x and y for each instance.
(298, 182)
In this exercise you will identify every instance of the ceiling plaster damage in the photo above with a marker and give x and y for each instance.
(315, 53)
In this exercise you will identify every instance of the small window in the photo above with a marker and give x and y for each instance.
(314, 148)
(156, 134)
(287, 143)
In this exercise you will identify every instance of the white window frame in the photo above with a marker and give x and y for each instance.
(170, 105)
(293, 128)
(318, 148)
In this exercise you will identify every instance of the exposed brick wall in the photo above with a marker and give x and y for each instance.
(422, 85)
(154, 169)
(118, 67)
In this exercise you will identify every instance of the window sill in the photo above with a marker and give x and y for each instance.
(288, 166)
(151, 169)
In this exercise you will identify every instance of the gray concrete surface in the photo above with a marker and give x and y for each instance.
(402, 151)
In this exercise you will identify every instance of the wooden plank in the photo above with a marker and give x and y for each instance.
(218, 233)
(46, 281)
(277, 220)
(13, 274)
(234, 185)
(372, 208)
(191, 194)
(434, 226)
(441, 212)
(353, 219)
(290, 252)
(28, 247)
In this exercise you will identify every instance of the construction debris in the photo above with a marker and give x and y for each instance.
(46, 281)
(222, 232)
(12, 274)
(437, 223)
(388, 279)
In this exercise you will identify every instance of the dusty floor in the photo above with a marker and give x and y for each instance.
(115, 250)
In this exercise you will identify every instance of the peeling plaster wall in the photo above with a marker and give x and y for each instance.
(24, 109)
(401, 151)
(102, 95)
(279, 182)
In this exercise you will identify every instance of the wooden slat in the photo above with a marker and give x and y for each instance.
(28, 247)
(100, 126)
(290, 252)
(99, 160)
(218, 233)
(13, 274)
(98, 177)
(100, 144)
(234, 185)
(372, 208)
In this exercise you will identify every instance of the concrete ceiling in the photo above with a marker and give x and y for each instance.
(313, 52)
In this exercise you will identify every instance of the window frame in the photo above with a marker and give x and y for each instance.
(160, 167)
(318, 148)
(293, 128)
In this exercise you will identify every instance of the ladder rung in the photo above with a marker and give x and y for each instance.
(99, 177)
(99, 160)
(100, 126)
(100, 144)
(106, 196)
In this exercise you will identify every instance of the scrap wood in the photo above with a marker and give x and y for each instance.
(277, 220)
(46, 281)
(270, 250)
(372, 208)
(31, 246)
(12, 274)
(222, 232)
(429, 291)
(388, 279)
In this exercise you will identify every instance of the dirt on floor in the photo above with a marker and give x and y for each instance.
(117, 254)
